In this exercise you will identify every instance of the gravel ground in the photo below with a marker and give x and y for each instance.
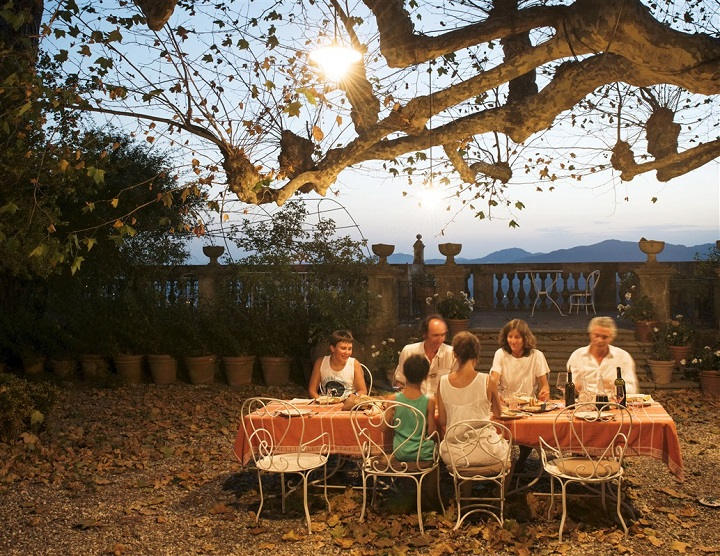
(150, 470)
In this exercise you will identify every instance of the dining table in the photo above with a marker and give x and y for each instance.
(653, 432)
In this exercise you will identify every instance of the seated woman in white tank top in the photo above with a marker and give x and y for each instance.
(466, 394)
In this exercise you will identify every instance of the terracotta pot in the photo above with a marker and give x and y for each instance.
(163, 368)
(239, 370)
(276, 370)
(63, 368)
(679, 353)
(129, 367)
(201, 369)
(661, 371)
(33, 365)
(94, 366)
(456, 325)
(644, 330)
(710, 383)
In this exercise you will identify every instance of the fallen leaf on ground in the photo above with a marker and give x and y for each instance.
(679, 546)
(672, 492)
(292, 536)
(654, 540)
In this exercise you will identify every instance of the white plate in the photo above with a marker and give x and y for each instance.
(512, 414)
(594, 415)
(327, 400)
(639, 399)
(296, 412)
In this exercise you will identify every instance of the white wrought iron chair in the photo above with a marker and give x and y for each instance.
(276, 436)
(367, 375)
(374, 423)
(585, 298)
(478, 440)
(570, 460)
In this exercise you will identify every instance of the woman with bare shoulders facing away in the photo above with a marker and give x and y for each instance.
(466, 394)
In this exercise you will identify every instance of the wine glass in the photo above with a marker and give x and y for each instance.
(561, 382)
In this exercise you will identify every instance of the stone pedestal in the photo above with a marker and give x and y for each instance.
(383, 300)
(450, 278)
(655, 283)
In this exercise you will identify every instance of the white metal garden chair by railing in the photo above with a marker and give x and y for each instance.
(268, 423)
(586, 297)
(380, 460)
(477, 440)
(580, 464)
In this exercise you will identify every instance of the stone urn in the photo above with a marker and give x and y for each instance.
(383, 251)
(213, 252)
(651, 248)
(450, 250)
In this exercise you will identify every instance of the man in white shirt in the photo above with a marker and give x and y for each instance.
(594, 366)
(440, 355)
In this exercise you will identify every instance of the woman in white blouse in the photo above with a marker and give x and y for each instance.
(518, 368)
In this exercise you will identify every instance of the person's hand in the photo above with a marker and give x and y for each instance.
(544, 394)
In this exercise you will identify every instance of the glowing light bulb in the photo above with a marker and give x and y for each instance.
(335, 60)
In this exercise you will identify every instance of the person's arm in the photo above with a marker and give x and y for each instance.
(441, 420)
(629, 374)
(492, 395)
(315, 379)
(430, 417)
(399, 378)
(541, 373)
(359, 380)
(544, 392)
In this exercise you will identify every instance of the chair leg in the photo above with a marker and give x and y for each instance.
(437, 484)
(262, 499)
(552, 497)
(459, 505)
(305, 503)
(563, 486)
(282, 492)
(418, 496)
(619, 505)
(364, 502)
(327, 501)
(602, 497)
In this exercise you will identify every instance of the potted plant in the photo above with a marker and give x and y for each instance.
(231, 339)
(707, 361)
(678, 336)
(194, 337)
(158, 343)
(660, 360)
(384, 358)
(637, 308)
(456, 308)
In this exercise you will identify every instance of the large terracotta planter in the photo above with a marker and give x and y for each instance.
(710, 383)
(63, 368)
(163, 368)
(661, 371)
(129, 367)
(679, 353)
(644, 330)
(201, 369)
(456, 325)
(33, 365)
(94, 366)
(239, 369)
(276, 370)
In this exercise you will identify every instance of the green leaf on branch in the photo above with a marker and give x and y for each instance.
(75, 266)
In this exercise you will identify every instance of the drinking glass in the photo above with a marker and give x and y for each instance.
(561, 382)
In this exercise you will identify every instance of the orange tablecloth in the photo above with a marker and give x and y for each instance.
(324, 418)
(653, 434)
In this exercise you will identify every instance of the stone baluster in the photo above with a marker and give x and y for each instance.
(655, 278)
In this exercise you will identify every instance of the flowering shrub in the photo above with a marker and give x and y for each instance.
(659, 350)
(707, 359)
(455, 305)
(636, 307)
(677, 332)
(385, 355)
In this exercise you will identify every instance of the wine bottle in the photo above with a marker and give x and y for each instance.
(620, 392)
(569, 390)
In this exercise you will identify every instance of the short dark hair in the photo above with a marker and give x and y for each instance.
(522, 328)
(425, 324)
(416, 368)
(466, 346)
(341, 336)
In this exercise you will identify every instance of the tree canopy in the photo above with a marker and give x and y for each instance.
(506, 91)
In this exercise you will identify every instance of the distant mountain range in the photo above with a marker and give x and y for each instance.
(611, 250)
